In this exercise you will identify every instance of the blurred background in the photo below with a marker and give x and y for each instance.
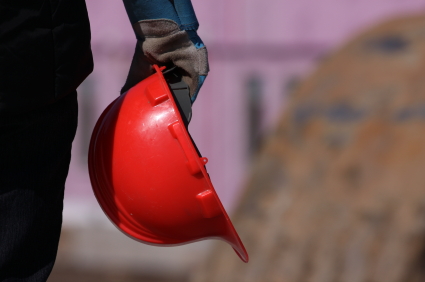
(313, 120)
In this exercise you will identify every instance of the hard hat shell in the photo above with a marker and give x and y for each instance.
(147, 175)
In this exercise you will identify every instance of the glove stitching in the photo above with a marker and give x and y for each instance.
(165, 35)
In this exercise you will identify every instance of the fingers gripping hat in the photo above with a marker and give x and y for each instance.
(147, 174)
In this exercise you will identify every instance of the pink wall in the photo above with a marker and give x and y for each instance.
(273, 39)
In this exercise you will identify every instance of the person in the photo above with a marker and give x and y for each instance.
(44, 55)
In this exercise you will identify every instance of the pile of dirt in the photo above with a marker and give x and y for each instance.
(338, 191)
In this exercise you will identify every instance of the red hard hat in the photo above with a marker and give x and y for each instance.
(148, 176)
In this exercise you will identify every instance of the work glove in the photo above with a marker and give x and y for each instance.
(168, 41)
(163, 43)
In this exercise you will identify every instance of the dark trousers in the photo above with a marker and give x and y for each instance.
(35, 151)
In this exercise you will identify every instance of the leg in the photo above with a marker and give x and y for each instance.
(35, 151)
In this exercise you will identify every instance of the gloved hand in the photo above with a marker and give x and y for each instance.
(162, 40)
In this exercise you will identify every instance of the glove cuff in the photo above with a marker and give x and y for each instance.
(155, 28)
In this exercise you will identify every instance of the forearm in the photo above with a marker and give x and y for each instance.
(180, 11)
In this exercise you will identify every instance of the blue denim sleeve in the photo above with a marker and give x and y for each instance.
(186, 14)
(138, 10)
(180, 11)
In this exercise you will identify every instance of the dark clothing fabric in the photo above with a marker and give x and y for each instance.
(44, 55)
(44, 45)
(35, 151)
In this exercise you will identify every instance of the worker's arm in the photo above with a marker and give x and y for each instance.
(166, 35)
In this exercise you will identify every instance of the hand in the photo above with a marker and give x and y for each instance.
(162, 42)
